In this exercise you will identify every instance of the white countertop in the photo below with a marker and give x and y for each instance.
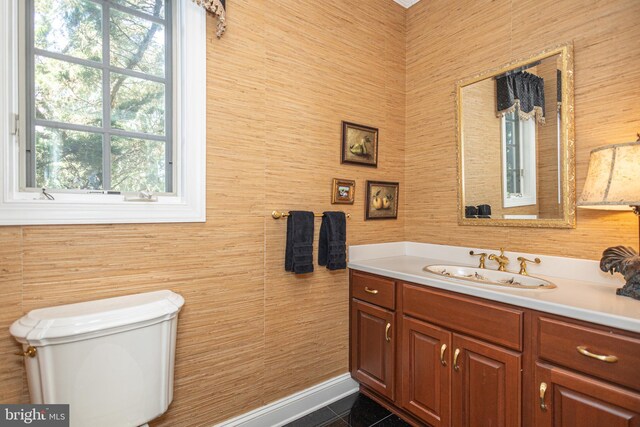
(595, 302)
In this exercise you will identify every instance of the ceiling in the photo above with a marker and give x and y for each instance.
(406, 3)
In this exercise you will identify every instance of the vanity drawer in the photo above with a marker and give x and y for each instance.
(374, 289)
(488, 321)
(558, 342)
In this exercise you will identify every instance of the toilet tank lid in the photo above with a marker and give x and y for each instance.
(73, 322)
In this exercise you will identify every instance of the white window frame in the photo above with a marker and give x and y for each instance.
(187, 204)
(528, 161)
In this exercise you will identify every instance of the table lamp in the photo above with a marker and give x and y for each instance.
(613, 183)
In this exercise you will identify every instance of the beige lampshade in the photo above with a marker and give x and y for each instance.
(613, 180)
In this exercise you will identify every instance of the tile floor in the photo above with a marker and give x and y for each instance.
(355, 410)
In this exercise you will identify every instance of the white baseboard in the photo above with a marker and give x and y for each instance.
(292, 407)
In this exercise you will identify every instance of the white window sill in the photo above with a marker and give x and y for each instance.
(513, 202)
(29, 209)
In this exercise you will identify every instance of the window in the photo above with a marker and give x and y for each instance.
(98, 107)
(518, 161)
(96, 92)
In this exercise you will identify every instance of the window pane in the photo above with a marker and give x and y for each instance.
(137, 104)
(67, 92)
(516, 182)
(152, 7)
(511, 160)
(137, 44)
(509, 130)
(71, 27)
(68, 159)
(137, 164)
(510, 184)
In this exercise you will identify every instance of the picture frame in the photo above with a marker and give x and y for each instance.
(359, 144)
(343, 191)
(382, 200)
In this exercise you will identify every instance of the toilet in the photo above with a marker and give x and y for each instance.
(111, 360)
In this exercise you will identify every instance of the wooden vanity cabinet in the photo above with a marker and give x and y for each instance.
(450, 378)
(569, 399)
(426, 371)
(405, 336)
(486, 385)
(585, 375)
(580, 346)
(373, 342)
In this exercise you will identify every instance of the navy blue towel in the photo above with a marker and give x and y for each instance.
(299, 252)
(332, 249)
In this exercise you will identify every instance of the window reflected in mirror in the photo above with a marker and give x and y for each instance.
(518, 161)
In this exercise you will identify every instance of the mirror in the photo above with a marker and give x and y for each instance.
(515, 144)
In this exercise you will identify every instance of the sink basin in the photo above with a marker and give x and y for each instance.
(482, 276)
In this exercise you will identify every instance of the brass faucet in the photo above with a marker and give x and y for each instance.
(501, 259)
(482, 256)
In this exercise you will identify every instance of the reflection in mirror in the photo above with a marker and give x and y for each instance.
(511, 143)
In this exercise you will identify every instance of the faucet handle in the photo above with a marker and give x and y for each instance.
(523, 264)
(483, 257)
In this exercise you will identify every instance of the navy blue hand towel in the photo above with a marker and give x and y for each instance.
(332, 249)
(299, 252)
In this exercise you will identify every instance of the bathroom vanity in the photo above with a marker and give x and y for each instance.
(444, 353)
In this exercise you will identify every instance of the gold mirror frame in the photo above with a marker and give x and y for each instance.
(567, 144)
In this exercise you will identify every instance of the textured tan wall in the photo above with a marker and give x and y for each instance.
(483, 180)
(451, 40)
(278, 83)
(547, 142)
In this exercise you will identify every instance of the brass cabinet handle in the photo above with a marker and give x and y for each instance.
(442, 350)
(386, 332)
(455, 359)
(371, 291)
(29, 352)
(543, 390)
(583, 350)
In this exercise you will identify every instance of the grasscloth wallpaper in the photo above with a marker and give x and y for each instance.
(449, 41)
(279, 83)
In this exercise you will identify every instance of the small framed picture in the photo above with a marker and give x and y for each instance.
(343, 191)
(382, 200)
(359, 144)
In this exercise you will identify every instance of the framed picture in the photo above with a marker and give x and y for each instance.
(343, 191)
(382, 200)
(359, 144)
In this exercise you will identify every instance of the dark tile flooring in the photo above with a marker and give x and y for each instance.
(355, 410)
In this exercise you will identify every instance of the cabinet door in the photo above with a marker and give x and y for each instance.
(486, 385)
(426, 374)
(573, 400)
(373, 347)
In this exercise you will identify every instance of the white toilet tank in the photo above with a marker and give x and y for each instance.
(111, 360)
